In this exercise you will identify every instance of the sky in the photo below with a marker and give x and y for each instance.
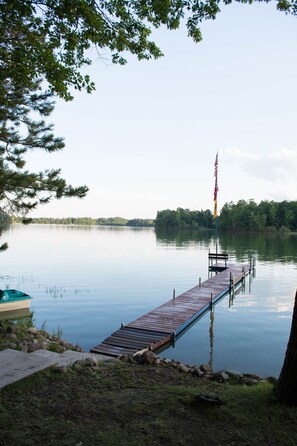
(147, 138)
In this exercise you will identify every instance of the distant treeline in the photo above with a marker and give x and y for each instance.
(112, 221)
(184, 219)
(242, 216)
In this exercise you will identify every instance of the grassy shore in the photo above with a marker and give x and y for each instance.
(123, 403)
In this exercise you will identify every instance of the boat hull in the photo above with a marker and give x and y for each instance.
(15, 305)
(14, 300)
(19, 313)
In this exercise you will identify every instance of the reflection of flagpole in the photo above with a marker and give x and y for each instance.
(211, 337)
(216, 189)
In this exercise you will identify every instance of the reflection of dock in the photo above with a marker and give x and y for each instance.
(161, 325)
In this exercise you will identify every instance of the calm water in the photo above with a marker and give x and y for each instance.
(87, 280)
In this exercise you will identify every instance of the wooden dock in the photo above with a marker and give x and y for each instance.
(161, 325)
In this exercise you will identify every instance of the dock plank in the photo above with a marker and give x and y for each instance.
(160, 325)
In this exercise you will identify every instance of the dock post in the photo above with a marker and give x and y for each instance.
(122, 324)
(243, 276)
(173, 294)
(232, 283)
(252, 263)
(211, 297)
(173, 338)
(199, 281)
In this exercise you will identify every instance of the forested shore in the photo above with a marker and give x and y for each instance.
(88, 221)
(243, 216)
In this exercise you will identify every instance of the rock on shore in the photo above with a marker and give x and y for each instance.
(30, 339)
(202, 371)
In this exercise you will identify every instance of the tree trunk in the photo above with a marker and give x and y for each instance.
(286, 389)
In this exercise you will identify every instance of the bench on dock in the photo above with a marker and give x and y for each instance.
(216, 257)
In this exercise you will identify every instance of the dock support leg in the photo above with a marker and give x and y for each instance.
(252, 264)
(232, 284)
(173, 335)
(243, 277)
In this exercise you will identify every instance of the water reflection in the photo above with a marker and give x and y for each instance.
(280, 247)
(55, 292)
(268, 247)
(184, 238)
(211, 336)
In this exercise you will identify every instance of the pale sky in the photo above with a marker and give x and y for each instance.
(146, 140)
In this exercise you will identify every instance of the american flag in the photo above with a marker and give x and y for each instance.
(216, 167)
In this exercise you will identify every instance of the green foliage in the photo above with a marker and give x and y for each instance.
(58, 333)
(25, 105)
(140, 222)
(21, 190)
(184, 219)
(43, 325)
(243, 216)
(65, 221)
(111, 221)
(266, 216)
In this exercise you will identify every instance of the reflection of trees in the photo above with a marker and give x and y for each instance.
(280, 247)
(184, 237)
(267, 247)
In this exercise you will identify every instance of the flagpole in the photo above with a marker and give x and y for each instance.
(217, 233)
(216, 189)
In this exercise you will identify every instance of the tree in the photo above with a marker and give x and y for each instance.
(286, 389)
(20, 190)
(25, 102)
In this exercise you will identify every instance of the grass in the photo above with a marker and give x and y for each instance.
(129, 404)
(58, 333)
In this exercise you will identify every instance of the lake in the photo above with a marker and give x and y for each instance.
(87, 280)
